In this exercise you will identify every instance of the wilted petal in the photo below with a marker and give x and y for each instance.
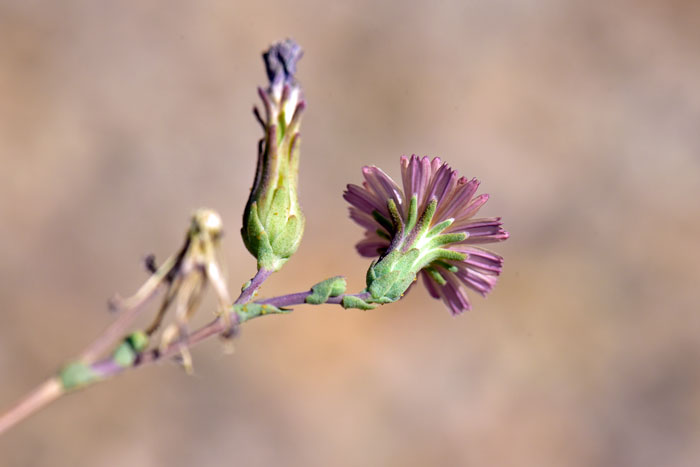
(454, 296)
(360, 198)
(463, 193)
(372, 246)
(383, 186)
(479, 282)
(364, 219)
(430, 284)
(481, 259)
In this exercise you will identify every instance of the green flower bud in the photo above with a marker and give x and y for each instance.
(273, 223)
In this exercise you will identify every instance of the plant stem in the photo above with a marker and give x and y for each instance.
(129, 313)
(299, 298)
(253, 286)
(48, 392)
(107, 368)
(113, 332)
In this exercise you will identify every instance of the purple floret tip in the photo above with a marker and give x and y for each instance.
(281, 61)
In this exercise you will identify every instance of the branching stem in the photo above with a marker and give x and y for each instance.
(106, 368)
(249, 290)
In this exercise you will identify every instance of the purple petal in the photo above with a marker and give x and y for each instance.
(420, 179)
(443, 183)
(360, 198)
(481, 259)
(502, 235)
(372, 246)
(383, 186)
(477, 281)
(430, 284)
(472, 208)
(434, 164)
(462, 195)
(364, 219)
(483, 231)
(406, 172)
(454, 295)
(477, 227)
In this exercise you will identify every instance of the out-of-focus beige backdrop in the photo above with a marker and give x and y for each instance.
(582, 119)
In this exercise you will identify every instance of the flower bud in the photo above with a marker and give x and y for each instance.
(273, 223)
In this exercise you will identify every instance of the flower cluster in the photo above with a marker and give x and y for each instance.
(427, 228)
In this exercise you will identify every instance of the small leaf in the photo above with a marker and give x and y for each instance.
(133, 344)
(350, 301)
(77, 374)
(249, 311)
(322, 291)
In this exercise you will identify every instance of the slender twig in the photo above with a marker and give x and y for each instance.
(52, 389)
(252, 287)
(130, 309)
(108, 367)
(299, 298)
(46, 393)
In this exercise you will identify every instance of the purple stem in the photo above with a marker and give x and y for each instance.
(299, 298)
(107, 368)
(253, 287)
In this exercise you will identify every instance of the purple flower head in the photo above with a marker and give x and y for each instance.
(427, 228)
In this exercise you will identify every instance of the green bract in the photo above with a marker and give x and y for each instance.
(131, 346)
(77, 374)
(322, 291)
(415, 246)
(247, 311)
(350, 301)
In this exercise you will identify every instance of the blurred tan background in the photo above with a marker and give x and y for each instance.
(117, 119)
